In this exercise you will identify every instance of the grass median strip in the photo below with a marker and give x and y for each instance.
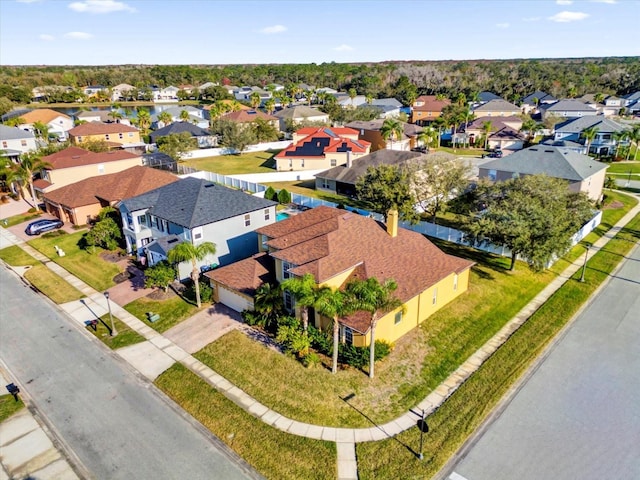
(125, 335)
(52, 285)
(275, 454)
(9, 406)
(16, 257)
(464, 411)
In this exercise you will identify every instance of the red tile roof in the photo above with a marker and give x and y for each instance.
(111, 187)
(99, 128)
(322, 141)
(246, 275)
(336, 130)
(78, 157)
(326, 242)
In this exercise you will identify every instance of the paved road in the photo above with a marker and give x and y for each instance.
(578, 416)
(626, 183)
(116, 425)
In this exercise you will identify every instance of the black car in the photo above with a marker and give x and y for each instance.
(494, 154)
(42, 226)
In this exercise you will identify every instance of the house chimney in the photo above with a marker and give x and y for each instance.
(392, 222)
(349, 163)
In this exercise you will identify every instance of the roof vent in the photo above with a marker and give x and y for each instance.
(548, 151)
(208, 185)
(173, 240)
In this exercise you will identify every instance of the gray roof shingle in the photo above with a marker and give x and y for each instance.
(14, 133)
(604, 125)
(193, 202)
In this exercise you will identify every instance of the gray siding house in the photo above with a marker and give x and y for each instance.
(195, 210)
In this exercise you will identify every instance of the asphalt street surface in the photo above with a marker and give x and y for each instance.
(578, 415)
(115, 423)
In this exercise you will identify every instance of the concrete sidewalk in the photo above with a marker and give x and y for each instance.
(158, 353)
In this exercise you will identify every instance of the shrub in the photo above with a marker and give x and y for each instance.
(311, 360)
(294, 340)
(32, 210)
(54, 233)
(284, 197)
(270, 194)
(206, 292)
(320, 341)
(160, 275)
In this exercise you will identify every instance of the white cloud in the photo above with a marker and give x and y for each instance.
(78, 35)
(46, 37)
(502, 25)
(532, 19)
(564, 17)
(100, 6)
(344, 48)
(274, 29)
(564, 2)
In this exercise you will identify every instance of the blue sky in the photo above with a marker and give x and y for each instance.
(99, 32)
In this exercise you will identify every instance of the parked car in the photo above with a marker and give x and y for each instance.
(42, 226)
(494, 154)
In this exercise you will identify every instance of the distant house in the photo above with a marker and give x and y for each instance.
(196, 211)
(531, 102)
(15, 141)
(604, 143)
(496, 108)
(93, 90)
(505, 132)
(370, 131)
(196, 116)
(342, 179)
(484, 97)
(122, 91)
(203, 137)
(321, 148)
(300, 114)
(167, 94)
(74, 164)
(345, 101)
(247, 117)
(117, 135)
(581, 172)
(566, 145)
(386, 107)
(80, 202)
(58, 123)
(245, 93)
(103, 116)
(567, 108)
(337, 247)
(427, 108)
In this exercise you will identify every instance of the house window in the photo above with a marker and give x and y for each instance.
(120, 136)
(286, 266)
(398, 318)
(302, 163)
(347, 335)
(455, 282)
(325, 184)
(333, 162)
(142, 219)
(247, 220)
(130, 134)
(106, 136)
(4, 145)
(23, 143)
(79, 139)
(267, 214)
(492, 175)
(154, 221)
(290, 163)
(435, 296)
(288, 301)
(197, 236)
(146, 241)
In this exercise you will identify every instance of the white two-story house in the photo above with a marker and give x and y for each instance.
(195, 210)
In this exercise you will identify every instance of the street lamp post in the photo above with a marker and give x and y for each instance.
(629, 179)
(113, 328)
(422, 429)
(584, 265)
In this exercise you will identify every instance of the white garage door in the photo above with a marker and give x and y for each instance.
(233, 300)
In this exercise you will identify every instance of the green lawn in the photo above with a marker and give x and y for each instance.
(86, 265)
(624, 168)
(17, 219)
(125, 335)
(8, 406)
(474, 152)
(275, 454)
(464, 411)
(172, 311)
(257, 162)
(52, 285)
(17, 257)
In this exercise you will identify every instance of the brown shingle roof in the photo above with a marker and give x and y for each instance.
(78, 157)
(44, 115)
(431, 104)
(246, 116)
(99, 128)
(112, 187)
(326, 242)
(246, 275)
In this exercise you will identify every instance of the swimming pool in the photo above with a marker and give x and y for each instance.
(281, 216)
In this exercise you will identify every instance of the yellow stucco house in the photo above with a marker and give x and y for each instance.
(337, 246)
(116, 134)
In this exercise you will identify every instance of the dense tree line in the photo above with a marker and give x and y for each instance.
(511, 79)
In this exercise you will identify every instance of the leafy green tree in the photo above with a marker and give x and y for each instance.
(185, 252)
(177, 145)
(435, 179)
(392, 129)
(106, 232)
(160, 275)
(268, 305)
(184, 116)
(264, 131)
(284, 197)
(377, 299)
(165, 117)
(303, 290)
(232, 135)
(534, 216)
(270, 193)
(23, 172)
(96, 146)
(387, 187)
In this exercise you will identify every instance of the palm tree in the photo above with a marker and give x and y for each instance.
(531, 127)
(486, 131)
(270, 106)
(333, 304)
(634, 137)
(304, 291)
(618, 137)
(42, 131)
(115, 114)
(369, 99)
(187, 251)
(427, 136)
(23, 172)
(144, 120)
(377, 299)
(589, 134)
(439, 123)
(184, 115)
(391, 129)
(165, 117)
(255, 100)
(267, 302)
(352, 95)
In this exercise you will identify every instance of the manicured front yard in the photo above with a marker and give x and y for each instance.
(87, 266)
(17, 219)
(52, 285)
(172, 311)
(17, 257)
(464, 411)
(125, 336)
(256, 162)
(275, 454)
(624, 168)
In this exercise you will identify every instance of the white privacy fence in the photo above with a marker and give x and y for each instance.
(216, 152)
(426, 228)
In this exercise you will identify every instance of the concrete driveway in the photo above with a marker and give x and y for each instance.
(204, 327)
